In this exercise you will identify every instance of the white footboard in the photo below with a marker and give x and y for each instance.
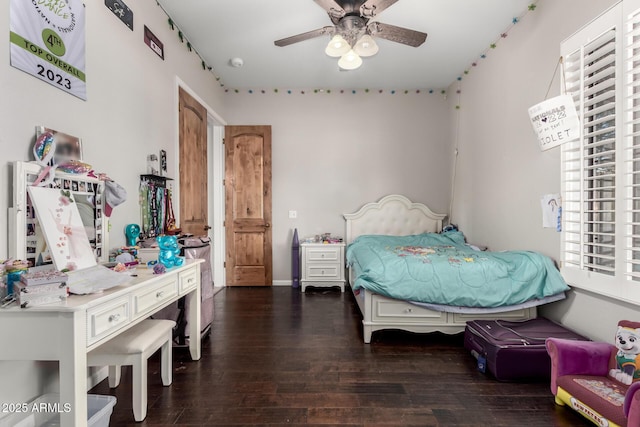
(380, 312)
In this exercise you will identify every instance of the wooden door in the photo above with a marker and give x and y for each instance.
(193, 165)
(248, 205)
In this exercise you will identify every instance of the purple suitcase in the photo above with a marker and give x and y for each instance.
(514, 350)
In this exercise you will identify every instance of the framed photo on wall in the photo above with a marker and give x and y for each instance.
(68, 147)
(163, 163)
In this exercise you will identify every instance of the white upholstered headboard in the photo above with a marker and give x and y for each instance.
(392, 215)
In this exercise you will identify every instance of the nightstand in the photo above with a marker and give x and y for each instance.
(322, 265)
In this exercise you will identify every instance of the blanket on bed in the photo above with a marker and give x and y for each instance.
(442, 269)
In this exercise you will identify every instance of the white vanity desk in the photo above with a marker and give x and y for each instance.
(66, 331)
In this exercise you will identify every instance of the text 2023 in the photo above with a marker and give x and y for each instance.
(53, 77)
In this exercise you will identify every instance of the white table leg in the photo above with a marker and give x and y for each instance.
(73, 369)
(194, 304)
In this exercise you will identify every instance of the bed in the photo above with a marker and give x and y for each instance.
(395, 215)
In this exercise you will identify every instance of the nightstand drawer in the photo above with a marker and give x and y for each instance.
(323, 254)
(325, 271)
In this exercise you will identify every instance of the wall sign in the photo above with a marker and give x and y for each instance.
(153, 42)
(555, 121)
(121, 10)
(47, 41)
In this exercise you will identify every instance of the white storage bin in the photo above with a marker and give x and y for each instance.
(148, 254)
(45, 411)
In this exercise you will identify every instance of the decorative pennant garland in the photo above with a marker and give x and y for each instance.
(339, 91)
(173, 27)
(532, 7)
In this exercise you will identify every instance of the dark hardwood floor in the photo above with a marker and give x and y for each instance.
(279, 357)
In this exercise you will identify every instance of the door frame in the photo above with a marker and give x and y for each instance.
(215, 175)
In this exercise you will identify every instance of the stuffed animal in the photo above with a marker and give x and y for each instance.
(628, 355)
(169, 251)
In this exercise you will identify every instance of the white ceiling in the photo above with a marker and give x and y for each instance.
(459, 32)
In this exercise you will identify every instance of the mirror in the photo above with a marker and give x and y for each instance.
(26, 240)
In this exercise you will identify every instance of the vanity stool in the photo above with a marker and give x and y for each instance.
(133, 347)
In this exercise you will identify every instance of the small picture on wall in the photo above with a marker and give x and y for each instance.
(122, 11)
(163, 163)
(67, 147)
(153, 42)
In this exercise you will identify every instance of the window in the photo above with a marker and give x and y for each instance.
(601, 169)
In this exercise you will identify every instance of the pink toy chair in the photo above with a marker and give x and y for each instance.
(580, 378)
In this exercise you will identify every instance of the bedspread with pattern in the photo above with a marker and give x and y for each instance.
(442, 269)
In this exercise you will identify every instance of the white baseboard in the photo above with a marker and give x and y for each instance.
(281, 283)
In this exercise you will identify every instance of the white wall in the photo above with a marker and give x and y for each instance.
(501, 171)
(334, 152)
(130, 112)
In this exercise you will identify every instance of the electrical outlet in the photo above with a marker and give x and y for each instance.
(293, 214)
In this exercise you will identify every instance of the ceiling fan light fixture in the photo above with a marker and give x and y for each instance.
(366, 46)
(350, 61)
(338, 46)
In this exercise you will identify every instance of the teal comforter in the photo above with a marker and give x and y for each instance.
(442, 269)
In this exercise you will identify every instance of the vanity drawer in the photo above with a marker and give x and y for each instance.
(106, 318)
(154, 295)
(188, 280)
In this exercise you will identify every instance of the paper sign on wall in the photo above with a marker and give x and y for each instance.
(555, 121)
(551, 211)
(47, 41)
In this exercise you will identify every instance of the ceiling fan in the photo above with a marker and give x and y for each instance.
(352, 30)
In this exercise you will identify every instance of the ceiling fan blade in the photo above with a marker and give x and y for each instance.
(305, 36)
(371, 8)
(334, 10)
(396, 34)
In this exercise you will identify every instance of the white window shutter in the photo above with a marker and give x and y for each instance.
(589, 163)
(601, 169)
(631, 141)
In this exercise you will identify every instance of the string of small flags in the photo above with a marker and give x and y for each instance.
(190, 47)
(516, 19)
(532, 7)
(502, 36)
(337, 91)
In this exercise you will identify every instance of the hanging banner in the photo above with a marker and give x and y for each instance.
(47, 41)
(555, 121)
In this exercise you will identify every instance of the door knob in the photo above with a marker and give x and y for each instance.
(267, 225)
(207, 227)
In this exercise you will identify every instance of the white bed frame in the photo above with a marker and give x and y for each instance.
(397, 215)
